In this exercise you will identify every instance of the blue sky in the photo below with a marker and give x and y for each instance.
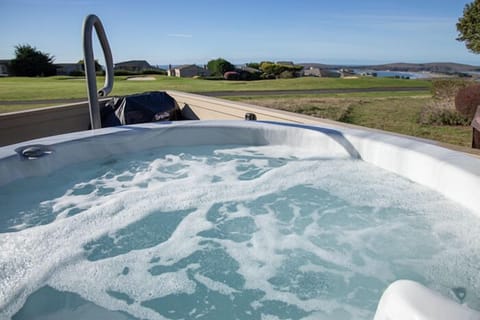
(181, 31)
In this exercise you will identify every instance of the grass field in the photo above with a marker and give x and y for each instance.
(22, 89)
(391, 111)
(397, 113)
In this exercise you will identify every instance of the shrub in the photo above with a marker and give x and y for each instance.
(442, 111)
(155, 71)
(267, 76)
(279, 70)
(254, 65)
(219, 66)
(120, 72)
(436, 113)
(247, 75)
(231, 75)
(287, 74)
(77, 73)
(267, 67)
(211, 78)
(447, 88)
(467, 100)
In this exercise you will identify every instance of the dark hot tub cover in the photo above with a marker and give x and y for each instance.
(139, 108)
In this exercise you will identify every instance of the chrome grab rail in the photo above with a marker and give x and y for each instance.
(89, 61)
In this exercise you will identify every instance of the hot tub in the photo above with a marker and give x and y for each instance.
(236, 219)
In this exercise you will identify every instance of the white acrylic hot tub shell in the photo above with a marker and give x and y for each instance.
(409, 300)
(454, 174)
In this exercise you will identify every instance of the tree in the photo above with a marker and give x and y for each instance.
(231, 75)
(267, 67)
(254, 65)
(276, 70)
(219, 66)
(468, 27)
(31, 62)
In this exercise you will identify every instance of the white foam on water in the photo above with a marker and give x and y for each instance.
(130, 190)
(214, 285)
(299, 152)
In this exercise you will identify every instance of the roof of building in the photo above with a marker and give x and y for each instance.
(133, 63)
(5, 61)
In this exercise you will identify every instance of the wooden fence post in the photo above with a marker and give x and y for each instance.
(476, 129)
(475, 139)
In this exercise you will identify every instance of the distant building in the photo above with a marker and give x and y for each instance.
(68, 68)
(4, 67)
(347, 72)
(321, 73)
(187, 71)
(133, 66)
(312, 72)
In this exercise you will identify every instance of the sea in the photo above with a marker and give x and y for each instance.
(395, 74)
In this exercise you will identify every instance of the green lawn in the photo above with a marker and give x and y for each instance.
(4, 108)
(395, 113)
(19, 89)
(401, 115)
(390, 111)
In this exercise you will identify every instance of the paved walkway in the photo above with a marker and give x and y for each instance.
(245, 93)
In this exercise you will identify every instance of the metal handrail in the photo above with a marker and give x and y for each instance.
(89, 61)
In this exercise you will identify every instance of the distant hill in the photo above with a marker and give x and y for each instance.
(321, 66)
(440, 67)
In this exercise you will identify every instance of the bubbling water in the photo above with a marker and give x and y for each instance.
(223, 232)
